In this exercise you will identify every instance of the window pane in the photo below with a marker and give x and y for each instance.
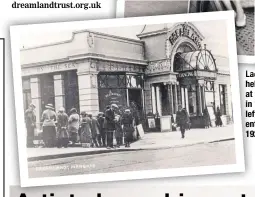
(26, 84)
(134, 81)
(112, 81)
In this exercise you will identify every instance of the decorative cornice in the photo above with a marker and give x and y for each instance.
(152, 33)
(84, 31)
(82, 57)
(109, 58)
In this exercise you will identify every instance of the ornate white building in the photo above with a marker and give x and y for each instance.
(167, 66)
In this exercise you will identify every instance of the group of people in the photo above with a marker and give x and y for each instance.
(183, 119)
(59, 129)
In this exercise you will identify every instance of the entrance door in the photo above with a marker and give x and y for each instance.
(47, 90)
(135, 97)
(71, 91)
(136, 103)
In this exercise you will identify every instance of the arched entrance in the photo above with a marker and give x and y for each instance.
(196, 75)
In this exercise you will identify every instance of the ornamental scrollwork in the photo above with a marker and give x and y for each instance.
(159, 66)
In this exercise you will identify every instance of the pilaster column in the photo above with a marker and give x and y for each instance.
(203, 95)
(36, 98)
(183, 96)
(199, 99)
(176, 97)
(158, 100)
(170, 98)
(200, 94)
(59, 91)
(187, 99)
(88, 92)
(153, 99)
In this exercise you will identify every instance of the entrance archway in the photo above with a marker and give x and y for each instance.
(196, 75)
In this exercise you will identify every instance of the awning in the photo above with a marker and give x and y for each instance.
(195, 60)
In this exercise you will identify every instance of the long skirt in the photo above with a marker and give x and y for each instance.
(218, 121)
(49, 136)
(73, 134)
(86, 136)
(128, 131)
(63, 137)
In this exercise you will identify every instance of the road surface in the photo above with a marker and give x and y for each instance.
(191, 156)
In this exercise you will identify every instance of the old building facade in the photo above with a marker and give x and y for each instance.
(165, 67)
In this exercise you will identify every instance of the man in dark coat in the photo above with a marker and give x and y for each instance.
(62, 128)
(182, 119)
(100, 119)
(110, 124)
(30, 120)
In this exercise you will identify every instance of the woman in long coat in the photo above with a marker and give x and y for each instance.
(62, 128)
(95, 131)
(128, 123)
(218, 120)
(206, 117)
(49, 127)
(73, 124)
(118, 132)
(85, 127)
(109, 124)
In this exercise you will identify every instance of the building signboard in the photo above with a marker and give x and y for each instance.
(159, 66)
(112, 96)
(49, 68)
(184, 30)
(203, 74)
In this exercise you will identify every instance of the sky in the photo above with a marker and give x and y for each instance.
(214, 32)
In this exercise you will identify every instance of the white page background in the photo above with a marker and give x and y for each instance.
(11, 16)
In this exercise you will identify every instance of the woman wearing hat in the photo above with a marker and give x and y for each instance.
(128, 126)
(49, 126)
(74, 124)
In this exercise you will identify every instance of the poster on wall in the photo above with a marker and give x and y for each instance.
(112, 96)
(151, 123)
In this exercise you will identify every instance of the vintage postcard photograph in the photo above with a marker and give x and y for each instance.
(244, 14)
(129, 98)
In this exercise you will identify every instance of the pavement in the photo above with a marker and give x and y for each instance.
(150, 141)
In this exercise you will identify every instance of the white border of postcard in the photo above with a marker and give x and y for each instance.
(15, 46)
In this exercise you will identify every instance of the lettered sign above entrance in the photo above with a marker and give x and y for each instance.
(185, 30)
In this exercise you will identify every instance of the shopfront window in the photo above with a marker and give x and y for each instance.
(120, 88)
(222, 89)
(134, 81)
(26, 93)
(192, 96)
(112, 81)
(71, 90)
(209, 92)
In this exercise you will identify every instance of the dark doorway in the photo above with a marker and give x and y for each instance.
(71, 90)
(47, 90)
(135, 97)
